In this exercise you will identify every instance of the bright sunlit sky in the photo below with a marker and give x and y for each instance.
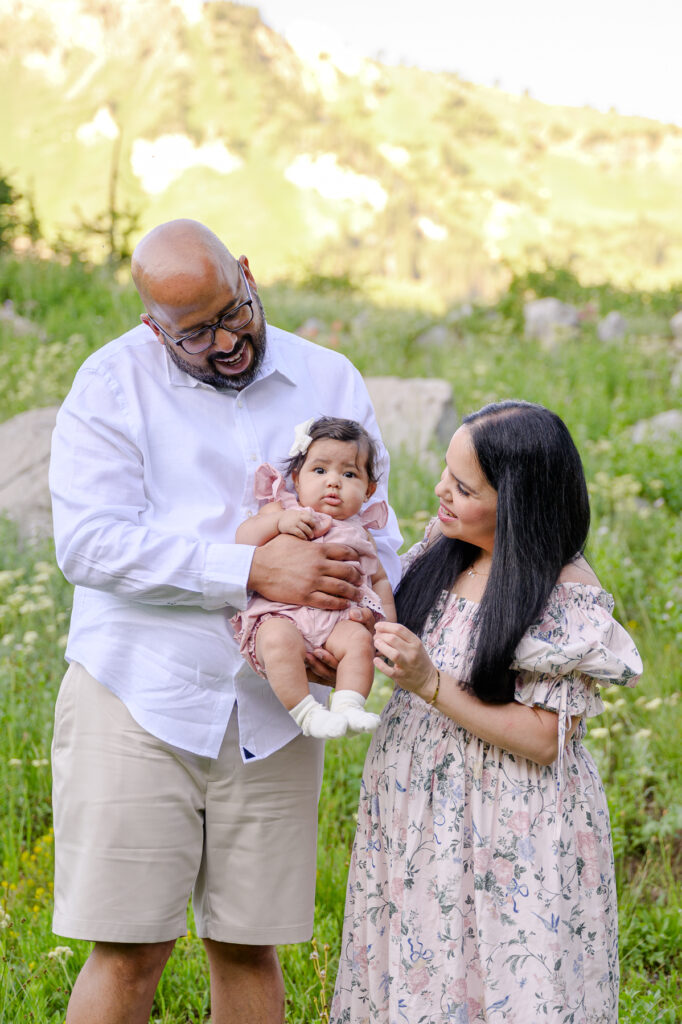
(625, 54)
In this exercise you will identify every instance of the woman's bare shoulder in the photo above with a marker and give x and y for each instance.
(434, 533)
(579, 571)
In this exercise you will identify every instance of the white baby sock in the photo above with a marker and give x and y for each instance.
(315, 720)
(350, 705)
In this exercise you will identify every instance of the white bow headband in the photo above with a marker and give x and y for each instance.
(302, 438)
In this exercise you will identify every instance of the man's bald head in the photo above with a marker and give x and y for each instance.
(179, 265)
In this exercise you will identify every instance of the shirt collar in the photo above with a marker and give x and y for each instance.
(275, 363)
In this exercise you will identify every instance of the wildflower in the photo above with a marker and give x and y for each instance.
(14, 762)
(29, 637)
(60, 953)
(599, 734)
(642, 734)
(40, 762)
(653, 704)
(61, 641)
(5, 920)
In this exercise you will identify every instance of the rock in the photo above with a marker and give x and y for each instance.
(457, 313)
(676, 325)
(414, 415)
(438, 336)
(549, 320)
(24, 460)
(676, 376)
(664, 428)
(613, 327)
(19, 325)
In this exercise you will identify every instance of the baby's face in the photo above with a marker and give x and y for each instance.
(333, 479)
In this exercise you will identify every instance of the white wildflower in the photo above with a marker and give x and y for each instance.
(60, 953)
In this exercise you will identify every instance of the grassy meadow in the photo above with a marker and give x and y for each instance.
(600, 389)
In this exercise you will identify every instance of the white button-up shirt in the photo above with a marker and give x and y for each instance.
(151, 473)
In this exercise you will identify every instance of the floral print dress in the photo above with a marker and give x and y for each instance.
(481, 884)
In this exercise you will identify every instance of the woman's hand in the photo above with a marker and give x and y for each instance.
(409, 665)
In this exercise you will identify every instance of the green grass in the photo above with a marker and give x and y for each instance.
(636, 548)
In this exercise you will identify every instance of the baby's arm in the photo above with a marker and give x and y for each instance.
(272, 520)
(382, 586)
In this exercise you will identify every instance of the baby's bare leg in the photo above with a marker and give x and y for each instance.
(353, 647)
(281, 651)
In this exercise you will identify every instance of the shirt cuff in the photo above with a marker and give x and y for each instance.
(226, 575)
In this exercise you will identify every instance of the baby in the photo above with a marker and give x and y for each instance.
(332, 466)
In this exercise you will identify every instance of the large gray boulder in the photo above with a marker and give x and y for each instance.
(665, 428)
(549, 320)
(24, 460)
(613, 327)
(676, 325)
(413, 415)
(437, 336)
(19, 325)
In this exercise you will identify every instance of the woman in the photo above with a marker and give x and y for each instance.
(482, 881)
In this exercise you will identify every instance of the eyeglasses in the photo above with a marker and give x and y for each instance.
(198, 341)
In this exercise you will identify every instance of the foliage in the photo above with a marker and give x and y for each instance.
(434, 180)
(601, 389)
(17, 215)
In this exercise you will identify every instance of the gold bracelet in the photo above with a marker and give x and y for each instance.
(435, 692)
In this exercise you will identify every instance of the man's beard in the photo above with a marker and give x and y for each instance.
(225, 382)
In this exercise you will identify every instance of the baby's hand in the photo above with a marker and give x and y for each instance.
(299, 522)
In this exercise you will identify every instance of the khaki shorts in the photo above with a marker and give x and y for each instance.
(140, 825)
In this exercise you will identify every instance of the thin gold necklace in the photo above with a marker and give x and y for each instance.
(474, 572)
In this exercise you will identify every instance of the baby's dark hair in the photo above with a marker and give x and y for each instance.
(336, 429)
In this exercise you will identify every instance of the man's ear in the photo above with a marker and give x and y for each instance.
(371, 488)
(152, 327)
(247, 273)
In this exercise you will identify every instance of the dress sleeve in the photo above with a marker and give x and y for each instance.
(375, 516)
(270, 485)
(417, 549)
(575, 648)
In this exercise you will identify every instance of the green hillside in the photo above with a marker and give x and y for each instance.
(414, 178)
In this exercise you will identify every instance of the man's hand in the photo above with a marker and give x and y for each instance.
(295, 572)
(321, 664)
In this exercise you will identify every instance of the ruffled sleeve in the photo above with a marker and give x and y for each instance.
(270, 485)
(574, 649)
(564, 658)
(375, 516)
(417, 549)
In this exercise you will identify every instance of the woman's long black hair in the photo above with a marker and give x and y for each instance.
(543, 517)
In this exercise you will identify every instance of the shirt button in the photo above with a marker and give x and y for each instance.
(252, 457)
(239, 403)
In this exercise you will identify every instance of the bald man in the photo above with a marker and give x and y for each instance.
(177, 772)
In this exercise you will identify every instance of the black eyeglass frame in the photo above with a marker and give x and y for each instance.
(215, 326)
